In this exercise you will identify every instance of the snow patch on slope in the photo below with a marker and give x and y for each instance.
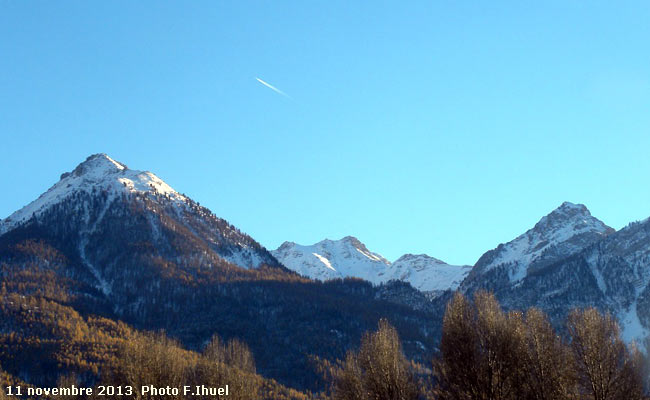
(324, 261)
(103, 284)
(631, 327)
(244, 257)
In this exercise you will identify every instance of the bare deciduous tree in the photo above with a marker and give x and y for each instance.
(607, 370)
(378, 371)
(479, 351)
(231, 363)
(547, 370)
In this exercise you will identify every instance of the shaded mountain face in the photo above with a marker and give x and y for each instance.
(110, 241)
(348, 257)
(102, 201)
(571, 259)
(565, 231)
(121, 244)
(612, 274)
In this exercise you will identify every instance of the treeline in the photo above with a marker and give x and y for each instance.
(282, 317)
(153, 359)
(487, 354)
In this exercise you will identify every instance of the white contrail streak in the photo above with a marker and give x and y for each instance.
(268, 85)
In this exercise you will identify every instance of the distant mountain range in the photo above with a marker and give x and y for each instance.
(348, 257)
(568, 259)
(120, 243)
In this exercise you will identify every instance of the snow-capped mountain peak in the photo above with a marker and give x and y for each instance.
(418, 259)
(566, 230)
(98, 173)
(99, 163)
(363, 250)
(568, 260)
(428, 273)
(102, 169)
(569, 219)
(101, 191)
(349, 257)
(331, 259)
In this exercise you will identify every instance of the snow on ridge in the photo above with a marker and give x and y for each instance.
(420, 258)
(558, 228)
(98, 172)
(370, 255)
(428, 273)
(331, 259)
(348, 257)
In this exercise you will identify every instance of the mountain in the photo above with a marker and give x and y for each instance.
(94, 191)
(109, 251)
(570, 259)
(620, 265)
(428, 274)
(108, 246)
(331, 259)
(348, 257)
(565, 231)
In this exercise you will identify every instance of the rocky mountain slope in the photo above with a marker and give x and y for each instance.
(97, 190)
(113, 243)
(348, 257)
(570, 259)
(565, 231)
(107, 243)
(331, 259)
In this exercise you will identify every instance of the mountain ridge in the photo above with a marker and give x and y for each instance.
(568, 260)
(349, 257)
(110, 241)
(97, 172)
(156, 261)
(101, 179)
(565, 230)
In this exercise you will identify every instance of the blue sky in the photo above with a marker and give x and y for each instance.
(440, 127)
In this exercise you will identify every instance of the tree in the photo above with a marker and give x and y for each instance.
(235, 353)
(67, 381)
(151, 359)
(348, 383)
(231, 363)
(3, 385)
(457, 369)
(646, 367)
(487, 354)
(547, 368)
(378, 371)
(479, 351)
(606, 369)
